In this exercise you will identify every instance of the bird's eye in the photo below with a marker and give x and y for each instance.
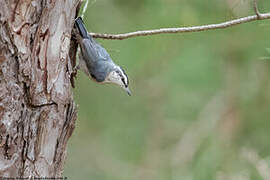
(125, 75)
(123, 80)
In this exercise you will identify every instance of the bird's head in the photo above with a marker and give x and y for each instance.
(119, 77)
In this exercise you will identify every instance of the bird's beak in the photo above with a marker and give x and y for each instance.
(128, 91)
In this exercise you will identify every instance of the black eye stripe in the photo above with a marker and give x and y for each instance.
(125, 75)
(122, 77)
(123, 80)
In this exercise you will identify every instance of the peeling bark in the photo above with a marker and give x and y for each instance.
(37, 111)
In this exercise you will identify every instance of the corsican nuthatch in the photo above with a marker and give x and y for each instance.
(96, 62)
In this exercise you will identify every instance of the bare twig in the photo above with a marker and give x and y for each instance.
(84, 8)
(256, 9)
(185, 29)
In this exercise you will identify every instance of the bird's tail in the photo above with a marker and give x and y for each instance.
(81, 27)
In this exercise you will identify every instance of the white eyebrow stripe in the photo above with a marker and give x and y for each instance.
(124, 75)
(125, 81)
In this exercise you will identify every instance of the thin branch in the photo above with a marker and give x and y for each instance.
(223, 25)
(84, 8)
(256, 9)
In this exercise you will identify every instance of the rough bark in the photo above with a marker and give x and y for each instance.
(37, 111)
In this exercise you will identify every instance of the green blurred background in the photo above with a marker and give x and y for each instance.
(200, 108)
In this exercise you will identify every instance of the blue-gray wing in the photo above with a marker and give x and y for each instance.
(102, 53)
(96, 58)
(93, 52)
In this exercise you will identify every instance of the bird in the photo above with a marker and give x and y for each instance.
(96, 62)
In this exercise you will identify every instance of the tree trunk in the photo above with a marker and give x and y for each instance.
(37, 111)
